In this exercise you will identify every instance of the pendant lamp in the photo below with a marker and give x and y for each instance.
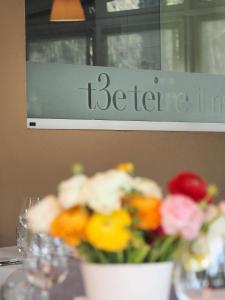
(67, 10)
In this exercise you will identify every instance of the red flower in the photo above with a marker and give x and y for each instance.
(189, 184)
(153, 235)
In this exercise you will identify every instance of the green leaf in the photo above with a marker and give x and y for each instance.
(120, 257)
(163, 249)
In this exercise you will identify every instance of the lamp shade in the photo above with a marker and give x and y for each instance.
(67, 10)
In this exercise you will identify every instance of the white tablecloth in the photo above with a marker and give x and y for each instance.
(5, 271)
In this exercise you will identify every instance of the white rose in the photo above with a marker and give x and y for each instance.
(42, 214)
(217, 228)
(103, 191)
(211, 213)
(148, 187)
(216, 236)
(69, 191)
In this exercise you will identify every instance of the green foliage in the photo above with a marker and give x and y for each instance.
(138, 251)
(163, 249)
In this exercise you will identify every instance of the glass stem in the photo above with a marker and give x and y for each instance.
(44, 295)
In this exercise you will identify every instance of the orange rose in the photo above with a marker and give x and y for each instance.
(70, 226)
(148, 212)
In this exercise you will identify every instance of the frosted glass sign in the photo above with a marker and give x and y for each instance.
(131, 64)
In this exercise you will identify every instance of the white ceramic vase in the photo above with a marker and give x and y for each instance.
(128, 282)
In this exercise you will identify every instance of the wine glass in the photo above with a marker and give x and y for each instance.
(200, 273)
(22, 227)
(16, 287)
(45, 263)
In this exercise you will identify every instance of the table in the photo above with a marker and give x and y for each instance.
(8, 252)
(70, 288)
(73, 285)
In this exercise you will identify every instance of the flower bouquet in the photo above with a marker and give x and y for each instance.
(123, 229)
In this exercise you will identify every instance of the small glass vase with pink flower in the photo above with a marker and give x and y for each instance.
(200, 260)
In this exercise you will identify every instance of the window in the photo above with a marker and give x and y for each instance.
(210, 54)
(70, 51)
(174, 2)
(123, 5)
(172, 49)
(143, 48)
(193, 38)
(126, 34)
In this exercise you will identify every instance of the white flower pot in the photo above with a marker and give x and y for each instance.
(128, 282)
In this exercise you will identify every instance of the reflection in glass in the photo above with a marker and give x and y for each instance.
(120, 5)
(187, 36)
(211, 46)
(16, 287)
(45, 263)
(172, 54)
(174, 2)
(143, 49)
(22, 226)
(193, 38)
(123, 5)
(72, 51)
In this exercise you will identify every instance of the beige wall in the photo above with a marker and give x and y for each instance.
(33, 161)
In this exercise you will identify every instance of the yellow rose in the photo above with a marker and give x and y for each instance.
(109, 232)
(126, 167)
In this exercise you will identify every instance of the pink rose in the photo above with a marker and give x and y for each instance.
(222, 206)
(181, 216)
